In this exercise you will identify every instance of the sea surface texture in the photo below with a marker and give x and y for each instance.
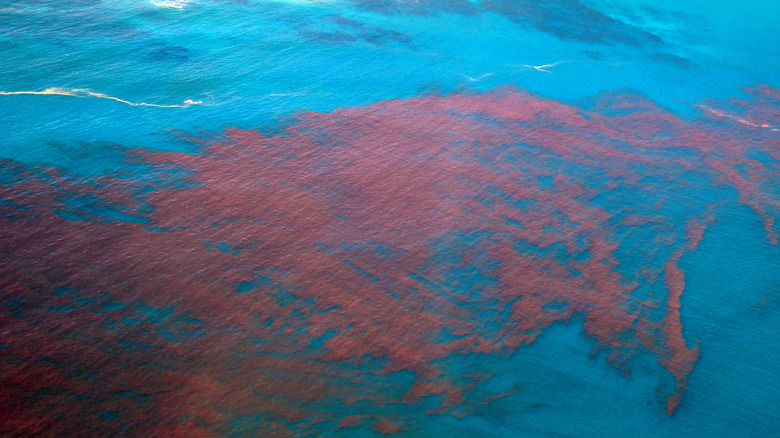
(358, 218)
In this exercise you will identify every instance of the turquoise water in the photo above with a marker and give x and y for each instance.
(254, 63)
(142, 73)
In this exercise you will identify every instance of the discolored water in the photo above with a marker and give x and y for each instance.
(353, 218)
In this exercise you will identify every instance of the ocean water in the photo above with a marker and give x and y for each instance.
(353, 218)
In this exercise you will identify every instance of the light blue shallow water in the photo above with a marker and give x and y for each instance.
(255, 64)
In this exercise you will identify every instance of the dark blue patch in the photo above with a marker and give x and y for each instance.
(164, 52)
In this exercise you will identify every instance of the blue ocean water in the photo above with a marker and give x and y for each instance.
(136, 74)
(252, 63)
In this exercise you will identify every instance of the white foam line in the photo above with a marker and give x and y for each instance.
(478, 78)
(542, 67)
(738, 119)
(83, 92)
(178, 4)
